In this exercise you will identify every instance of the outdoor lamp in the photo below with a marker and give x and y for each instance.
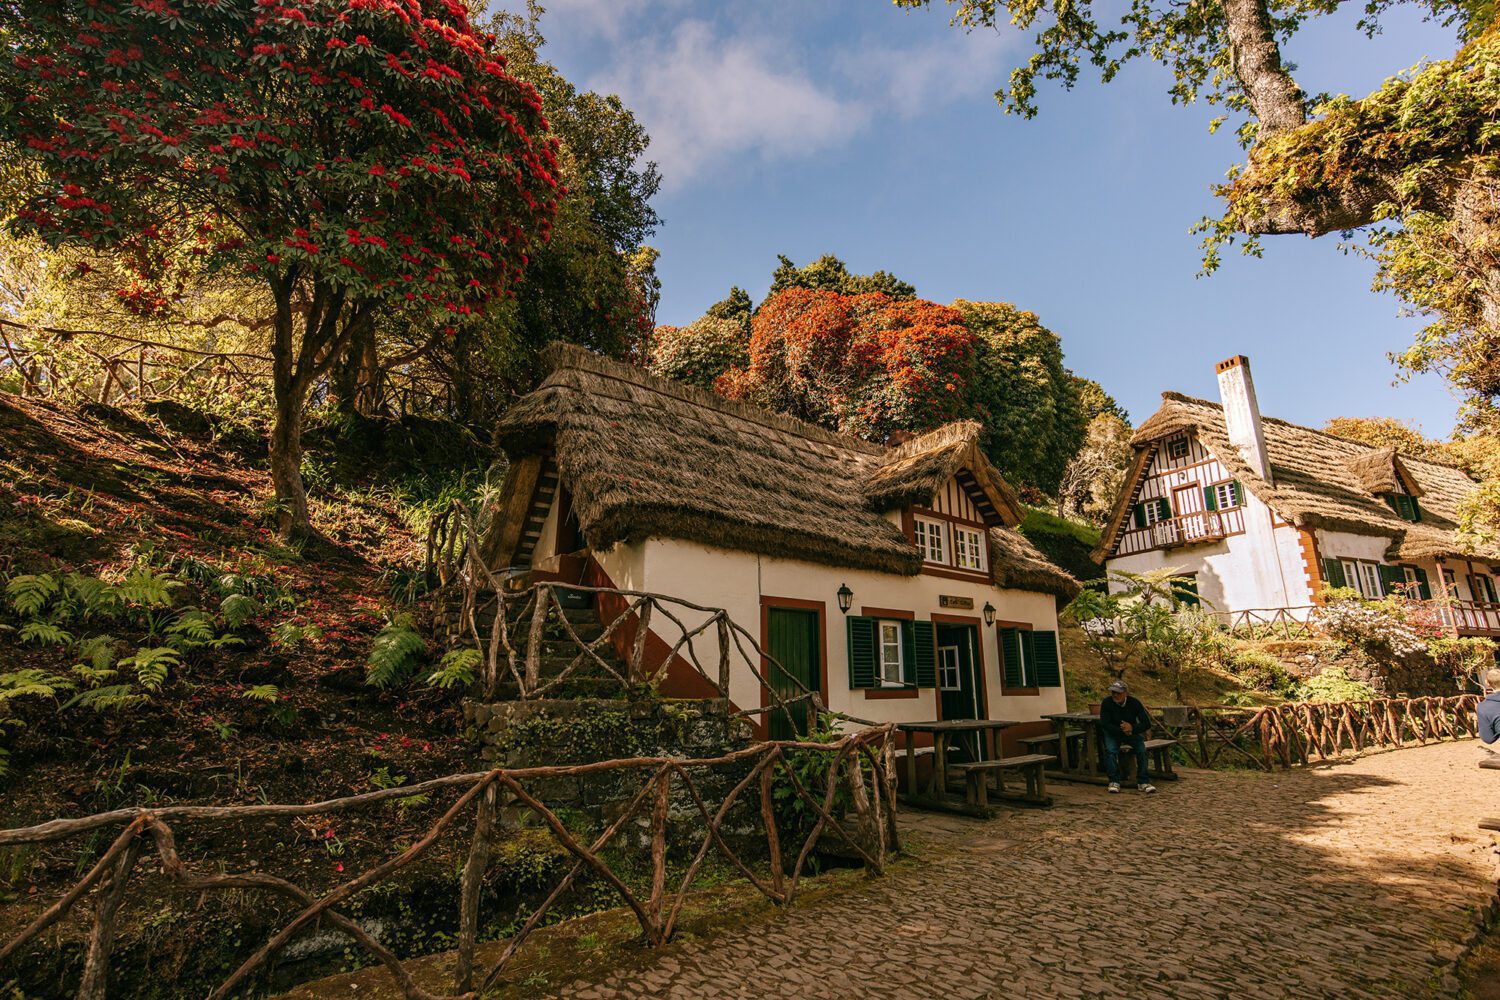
(989, 613)
(846, 598)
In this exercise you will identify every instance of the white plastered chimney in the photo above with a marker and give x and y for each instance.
(1242, 413)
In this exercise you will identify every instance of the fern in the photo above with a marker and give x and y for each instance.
(98, 651)
(456, 669)
(44, 634)
(291, 635)
(238, 609)
(147, 589)
(192, 628)
(30, 593)
(94, 676)
(267, 693)
(90, 595)
(31, 683)
(393, 657)
(114, 698)
(152, 665)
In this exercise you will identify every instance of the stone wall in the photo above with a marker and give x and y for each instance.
(1414, 676)
(545, 733)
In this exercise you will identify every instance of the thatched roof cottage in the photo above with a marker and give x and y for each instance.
(1264, 514)
(626, 480)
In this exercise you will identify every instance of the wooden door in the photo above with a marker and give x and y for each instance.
(957, 659)
(792, 641)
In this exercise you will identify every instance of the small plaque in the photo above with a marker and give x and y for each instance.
(950, 601)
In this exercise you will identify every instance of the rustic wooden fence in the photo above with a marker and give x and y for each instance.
(490, 611)
(1296, 733)
(1268, 623)
(856, 804)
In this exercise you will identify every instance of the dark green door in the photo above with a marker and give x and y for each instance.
(792, 641)
(957, 655)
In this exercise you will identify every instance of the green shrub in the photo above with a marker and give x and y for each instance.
(1333, 685)
(1260, 670)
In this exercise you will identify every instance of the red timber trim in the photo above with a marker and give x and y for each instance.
(1312, 566)
(1125, 501)
(1009, 692)
(937, 515)
(909, 526)
(984, 692)
(763, 723)
(682, 679)
(894, 693)
(949, 573)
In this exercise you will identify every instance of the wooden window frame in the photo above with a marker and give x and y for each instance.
(1234, 504)
(1172, 443)
(983, 694)
(893, 692)
(980, 553)
(922, 537)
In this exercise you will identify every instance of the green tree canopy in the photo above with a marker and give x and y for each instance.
(830, 274)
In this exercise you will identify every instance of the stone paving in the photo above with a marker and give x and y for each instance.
(1353, 880)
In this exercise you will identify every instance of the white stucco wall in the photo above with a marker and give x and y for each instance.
(1346, 545)
(737, 581)
(1262, 568)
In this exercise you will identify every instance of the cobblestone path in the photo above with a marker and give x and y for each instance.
(1355, 880)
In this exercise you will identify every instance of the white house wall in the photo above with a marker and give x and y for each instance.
(737, 581)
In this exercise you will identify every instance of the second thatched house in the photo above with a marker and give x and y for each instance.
(1263, 515)
(892, 580)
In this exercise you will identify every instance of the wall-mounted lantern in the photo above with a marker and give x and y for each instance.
(846, 598)
(989, 613)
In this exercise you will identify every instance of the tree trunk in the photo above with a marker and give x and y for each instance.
(356, 377)
(286, 464)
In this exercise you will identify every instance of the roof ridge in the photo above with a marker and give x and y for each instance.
(560, 355)
(1181, 397)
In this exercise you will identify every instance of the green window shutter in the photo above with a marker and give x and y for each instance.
(1028, 643)
(1210, 498)
(1048, 666)
(924, 643)
(861, 652)
(1333, 572)
(1010, 653)
(1239, 493)
(1416, 509)
(1391, 577)
(1163, 509)
(1140, 515)
(1424, 588)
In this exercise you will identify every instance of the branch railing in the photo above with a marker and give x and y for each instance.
(856, 802)
(1298, 732)
(1264, 623)
(491, 614)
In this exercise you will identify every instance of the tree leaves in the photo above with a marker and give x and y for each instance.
(395, 653)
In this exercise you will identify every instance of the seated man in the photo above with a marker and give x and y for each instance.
(1123, 719)
(1489, 715)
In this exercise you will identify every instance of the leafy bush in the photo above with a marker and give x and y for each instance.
(1333, 685)
(1260, 670)
(1379, 629)
(456, 669)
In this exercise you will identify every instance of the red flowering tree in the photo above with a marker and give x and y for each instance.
(357, 156)
(865, 364)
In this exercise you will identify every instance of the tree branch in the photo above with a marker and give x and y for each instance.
(1274, 96)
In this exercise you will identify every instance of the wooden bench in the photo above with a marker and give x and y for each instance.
(1490, 824)
(977, 779)
(1161, 758)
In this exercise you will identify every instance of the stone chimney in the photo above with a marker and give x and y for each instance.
(1242, 413)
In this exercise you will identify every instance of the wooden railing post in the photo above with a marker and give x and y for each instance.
(543, 606)
(472, 886)
(636, 673)
(95, 981)
(656, 908)
(768, 820)
(723, 654)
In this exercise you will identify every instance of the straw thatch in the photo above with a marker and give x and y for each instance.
(645, 457)
(1325, 481)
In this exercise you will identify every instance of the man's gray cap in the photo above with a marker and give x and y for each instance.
(1118, 686)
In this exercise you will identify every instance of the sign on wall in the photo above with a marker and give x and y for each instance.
(951, 601)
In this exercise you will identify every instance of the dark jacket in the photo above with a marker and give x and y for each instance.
(1133, 712)
(1489, 718)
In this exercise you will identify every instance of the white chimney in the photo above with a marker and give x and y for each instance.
(1242, 413)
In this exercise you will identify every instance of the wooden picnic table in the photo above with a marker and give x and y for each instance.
(936, 794)
(1069, 768)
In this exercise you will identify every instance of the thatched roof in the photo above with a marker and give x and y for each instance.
(647, 457)
(1325, 481)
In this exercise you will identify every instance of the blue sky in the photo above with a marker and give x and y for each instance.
(851, 127)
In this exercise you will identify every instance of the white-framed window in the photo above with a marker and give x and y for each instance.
(1177, 448)
(949, 678)
(1450, 583)
(1156, 510)
(968, 548)
(891, 666)
(1225, 496)
(931, 540)
(1483, 586)
(1413, 582)
(1363, 577)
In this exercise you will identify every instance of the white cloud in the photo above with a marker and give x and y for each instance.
(707, 100)
(954, 66)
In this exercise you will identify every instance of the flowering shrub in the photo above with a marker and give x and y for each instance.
(866, 364)
(699, 353)
(1387, 628)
